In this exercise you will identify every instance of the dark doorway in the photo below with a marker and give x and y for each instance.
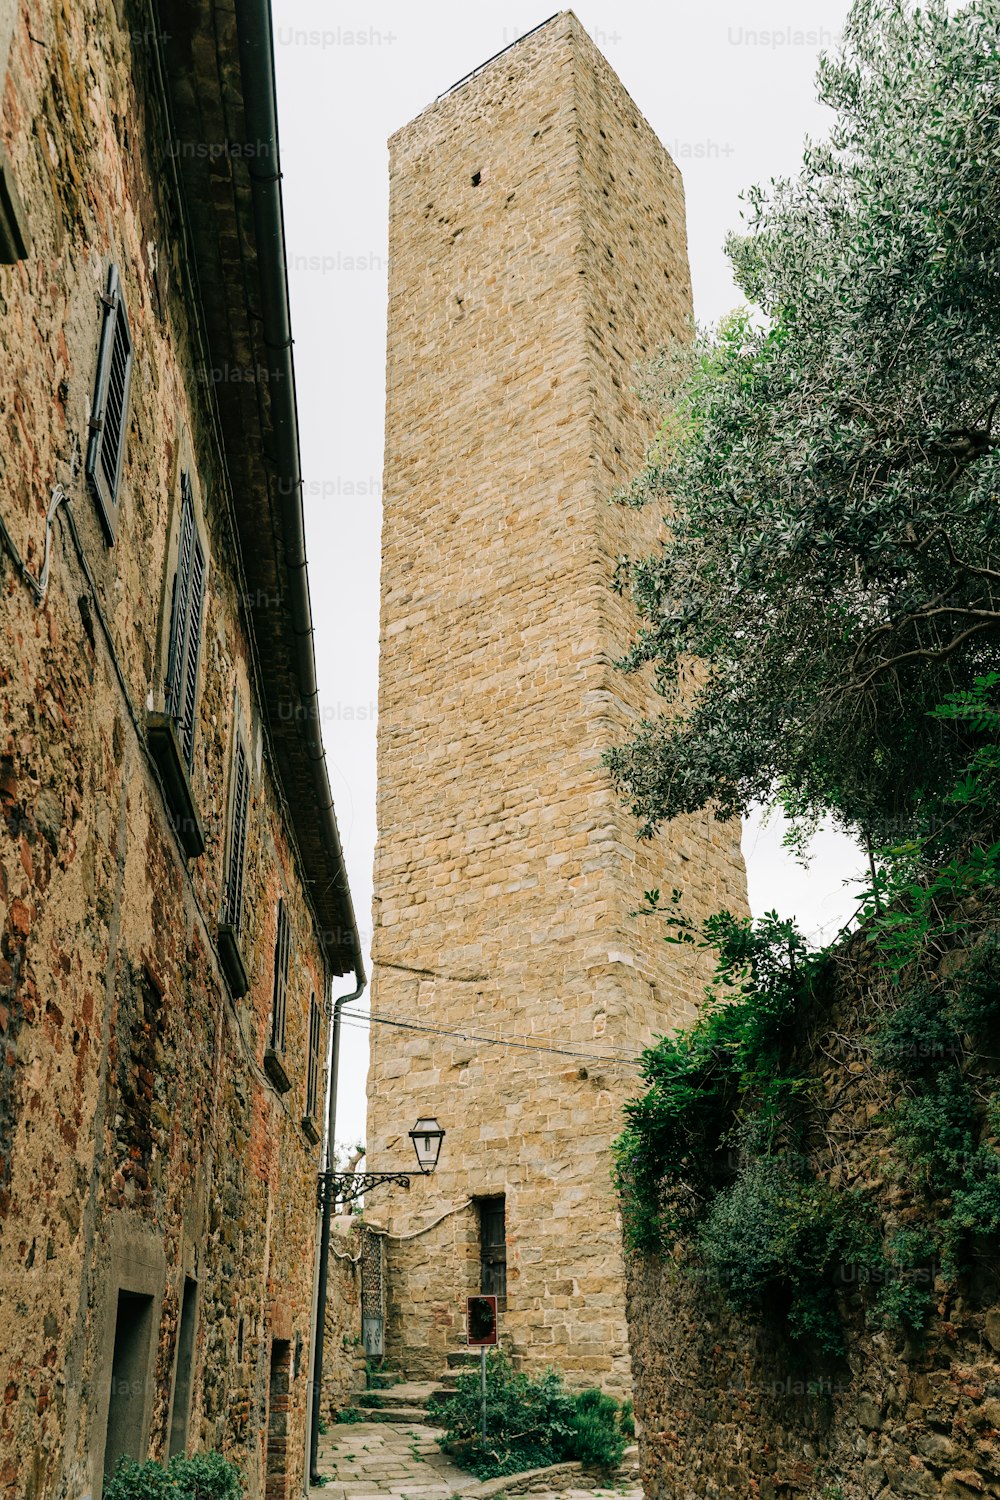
(129, 1380)
(184, 1379)
(493, 1247)
(276, 1479)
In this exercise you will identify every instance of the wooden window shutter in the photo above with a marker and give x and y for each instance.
(109, 416)
(312, 1077)
(237, 838)
(282, 954)
(185, 626)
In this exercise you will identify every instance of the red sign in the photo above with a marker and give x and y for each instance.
(481, 1321)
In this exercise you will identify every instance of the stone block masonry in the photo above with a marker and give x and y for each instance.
(537, 255)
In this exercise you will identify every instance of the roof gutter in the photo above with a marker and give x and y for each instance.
(256, 49)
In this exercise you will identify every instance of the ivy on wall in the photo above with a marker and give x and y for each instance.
(725, 1155)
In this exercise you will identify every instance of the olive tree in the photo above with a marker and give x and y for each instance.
(827, 464)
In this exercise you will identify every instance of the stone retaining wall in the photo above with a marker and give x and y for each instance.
(729, 1410)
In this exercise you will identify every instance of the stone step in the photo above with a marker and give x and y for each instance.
(400, 1416)
(409, 1402)
(459, 1358)
(381, 1380)
(383, 1401)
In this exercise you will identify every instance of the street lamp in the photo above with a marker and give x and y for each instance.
(345, 1187)
(427, 1136)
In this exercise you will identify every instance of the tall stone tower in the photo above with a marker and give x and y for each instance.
(537, 254)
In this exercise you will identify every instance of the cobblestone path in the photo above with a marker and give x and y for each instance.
(385, 1461)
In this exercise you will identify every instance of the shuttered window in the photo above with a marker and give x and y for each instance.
(233, 903)
(109, 415)
(185, 626)
(282, 953)
(312, 1076)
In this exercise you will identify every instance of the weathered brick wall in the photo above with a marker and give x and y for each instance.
(537, 251)
(136, 1124)
(729, 1409)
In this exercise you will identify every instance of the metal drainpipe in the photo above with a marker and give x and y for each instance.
(319, 1335)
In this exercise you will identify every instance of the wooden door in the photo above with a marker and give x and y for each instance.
(493, 1247)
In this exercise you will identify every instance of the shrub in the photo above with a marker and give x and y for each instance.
(530, 1422)
(206, 1476)
(778, 1239)
(732, 1065)
(135, 1481)
(906, 1298)
(597, 1438)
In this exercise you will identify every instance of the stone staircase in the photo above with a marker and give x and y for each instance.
(403, 1403)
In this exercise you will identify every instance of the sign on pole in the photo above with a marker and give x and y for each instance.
(482, 1330)
(481, 1320)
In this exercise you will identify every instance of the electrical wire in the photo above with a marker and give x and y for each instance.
(532, 1039)
(39, 586)
(362, 1021)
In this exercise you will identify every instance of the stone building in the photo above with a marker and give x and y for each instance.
(537, 254)
(172, 890)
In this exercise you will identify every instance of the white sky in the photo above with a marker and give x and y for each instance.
(728, 85)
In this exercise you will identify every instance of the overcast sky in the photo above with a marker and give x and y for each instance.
(728, 85)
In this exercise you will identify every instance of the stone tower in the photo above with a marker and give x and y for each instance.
(537, 254)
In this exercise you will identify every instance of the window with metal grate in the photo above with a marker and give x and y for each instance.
(109, 415)
(185, 626)
(238, 807)
(282, 953)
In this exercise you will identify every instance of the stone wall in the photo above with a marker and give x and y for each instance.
(537, 254)
(729, 1409)
(344, 1355)
(141, 1142)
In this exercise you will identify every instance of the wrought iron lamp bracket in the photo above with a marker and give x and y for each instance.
(345, 1187)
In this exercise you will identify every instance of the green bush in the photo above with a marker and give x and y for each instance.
(776, 1242)
(206, 1476)
(732, 1065)
(598, 1438)
(530, 1422)
(906, 1297)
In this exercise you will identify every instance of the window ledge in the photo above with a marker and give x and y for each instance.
(165, 747)
(274, 1067)
(310, 1129)
(232, 961)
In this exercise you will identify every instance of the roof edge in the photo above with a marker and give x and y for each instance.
(256, 49)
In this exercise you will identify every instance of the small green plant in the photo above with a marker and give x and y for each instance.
(905, 1299)
(530, 1422)
(206, 1476)
(597, 1438)
(349, 1414)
